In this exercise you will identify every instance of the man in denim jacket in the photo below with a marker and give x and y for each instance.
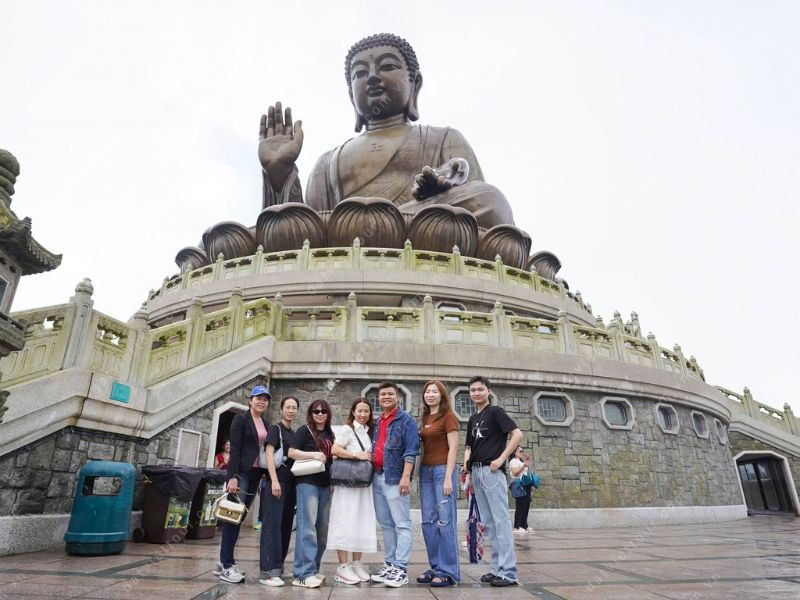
(395, 446)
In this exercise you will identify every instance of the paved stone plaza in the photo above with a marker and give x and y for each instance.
(754, 558)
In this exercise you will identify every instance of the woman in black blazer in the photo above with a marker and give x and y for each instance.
(248, 435)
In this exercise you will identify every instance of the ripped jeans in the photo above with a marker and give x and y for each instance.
(439, 520)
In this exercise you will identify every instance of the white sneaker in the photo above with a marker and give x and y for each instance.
(218, 569)
(272, 582)
(345, 574)
(520, 531)
(380, 576)
(320, 576)
(398, 577)
(530, 530)
(232, 575)
(360, 570)
(310, 582)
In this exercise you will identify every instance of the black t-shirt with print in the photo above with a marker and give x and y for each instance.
(487, 434)
(303, 440)
(284, 473)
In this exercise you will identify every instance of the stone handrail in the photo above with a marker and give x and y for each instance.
(356, 257)
(74, 335)
(744, 403)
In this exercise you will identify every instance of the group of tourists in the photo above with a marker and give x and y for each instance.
(262, 457)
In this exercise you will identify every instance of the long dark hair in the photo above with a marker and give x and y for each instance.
(322, 446)
(444, 405)
(351, 416)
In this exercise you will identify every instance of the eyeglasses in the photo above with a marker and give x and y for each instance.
(319, 411)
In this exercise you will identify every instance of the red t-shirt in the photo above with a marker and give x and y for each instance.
(377, 451)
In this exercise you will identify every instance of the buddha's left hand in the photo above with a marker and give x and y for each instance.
(433, 181)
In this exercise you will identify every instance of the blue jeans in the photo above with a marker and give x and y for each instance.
(271, 543)
(439, 521)
(313, 510)
(248, 485)
(393, 513)
(492, 498)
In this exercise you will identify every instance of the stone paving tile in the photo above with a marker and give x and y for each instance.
(138, 589)
(172, 567)
(46, 590)
(720, 590)
(606, 592)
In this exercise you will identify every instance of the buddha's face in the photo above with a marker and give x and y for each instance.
(380, 84)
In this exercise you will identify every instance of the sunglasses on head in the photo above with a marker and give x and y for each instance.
(319, 411)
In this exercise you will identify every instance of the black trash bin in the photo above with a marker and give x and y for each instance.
(168, 495)
(202, 523)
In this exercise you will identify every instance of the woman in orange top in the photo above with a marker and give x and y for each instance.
(438, 486)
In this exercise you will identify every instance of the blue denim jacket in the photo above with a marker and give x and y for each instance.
(402, 445)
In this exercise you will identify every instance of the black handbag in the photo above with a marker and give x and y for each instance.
(350, 472)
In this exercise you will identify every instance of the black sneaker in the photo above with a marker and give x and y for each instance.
(501, 582)
(488, 578)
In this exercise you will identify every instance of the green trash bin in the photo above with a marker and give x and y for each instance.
(168, 495)
(101, 514)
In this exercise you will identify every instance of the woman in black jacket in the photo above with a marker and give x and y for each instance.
(248, 435)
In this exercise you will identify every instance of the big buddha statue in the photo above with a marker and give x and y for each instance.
(411, 165)
(395, 181)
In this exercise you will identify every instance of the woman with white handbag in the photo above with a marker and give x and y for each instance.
(248, 435)
(277, 496)
(311, 450)
(352, 510)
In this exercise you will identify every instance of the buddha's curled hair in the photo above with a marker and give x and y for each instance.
(383, 39)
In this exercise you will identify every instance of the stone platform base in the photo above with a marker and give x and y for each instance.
(32, 533)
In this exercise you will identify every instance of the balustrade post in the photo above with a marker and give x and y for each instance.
(500, 269)
(458, 261)
(682, 359)
(304, 259)
(236, 304)
(137, 353)
(749, 403)
(258, 260)
(353, 322)
(656, 350)
(164, 283)
(217, 274)
(195, 331)
(80, 333)
(615, 330)
(502, 324)
(408, 256)
(567, 334)
(355, 254)
(277, 307)
(429, 324)
(791, 420)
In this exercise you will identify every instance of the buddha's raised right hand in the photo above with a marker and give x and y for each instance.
(279, 144)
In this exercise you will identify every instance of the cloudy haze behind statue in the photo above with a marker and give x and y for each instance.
(654, 152)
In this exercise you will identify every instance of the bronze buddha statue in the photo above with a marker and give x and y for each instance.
(413, 166)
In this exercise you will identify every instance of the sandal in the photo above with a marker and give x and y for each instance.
(426, 577)
(443, 581)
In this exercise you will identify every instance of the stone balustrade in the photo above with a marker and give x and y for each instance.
(70, 335)
(356, 257)
(744, 403)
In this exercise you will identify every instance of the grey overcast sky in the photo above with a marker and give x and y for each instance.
(653, 146)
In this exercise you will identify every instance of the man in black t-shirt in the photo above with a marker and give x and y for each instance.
(488, 446)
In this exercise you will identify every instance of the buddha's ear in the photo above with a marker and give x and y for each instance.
(360, 121)
(413, 107)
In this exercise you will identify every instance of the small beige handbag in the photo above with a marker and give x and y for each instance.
(230, 511)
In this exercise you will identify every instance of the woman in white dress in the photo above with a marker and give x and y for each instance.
(352, 521)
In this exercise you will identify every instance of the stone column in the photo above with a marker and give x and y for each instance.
(134, 369)
(80, 333)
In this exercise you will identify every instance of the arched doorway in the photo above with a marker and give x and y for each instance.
(767, 483)
(221, 427)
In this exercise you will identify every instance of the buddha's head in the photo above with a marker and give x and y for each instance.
(383, 77)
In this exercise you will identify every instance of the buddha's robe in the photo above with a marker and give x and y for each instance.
(424, 145)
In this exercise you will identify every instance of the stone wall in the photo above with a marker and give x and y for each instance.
(40, 478)
(741, 442)
(586, 465)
